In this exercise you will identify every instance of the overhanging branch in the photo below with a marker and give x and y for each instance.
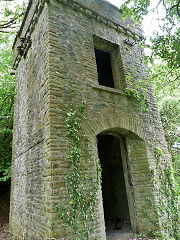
(11, 22)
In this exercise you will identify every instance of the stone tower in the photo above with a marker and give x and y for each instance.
(68, 52)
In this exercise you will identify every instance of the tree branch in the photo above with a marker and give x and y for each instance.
(4, 31)
(10, 22)
(158, 4)
(175, 105)
(178, 11)
(175, 6)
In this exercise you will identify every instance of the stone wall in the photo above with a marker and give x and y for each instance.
(60, 56)
(30, 171)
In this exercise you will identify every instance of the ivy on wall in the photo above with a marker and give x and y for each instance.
(138, 88)
(80, 214)
(167, 197)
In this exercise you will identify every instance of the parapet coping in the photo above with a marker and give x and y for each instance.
(25, 42)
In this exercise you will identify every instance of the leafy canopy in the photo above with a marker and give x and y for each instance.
(164, 64)
(10, 18)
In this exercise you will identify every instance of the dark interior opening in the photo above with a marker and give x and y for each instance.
(4, 202)
(103, 61)
(116, 211)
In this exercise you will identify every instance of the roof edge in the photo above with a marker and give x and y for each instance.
(23, 22)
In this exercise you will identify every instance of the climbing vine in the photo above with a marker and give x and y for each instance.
(167, 197)
(137, 88)
(80, 214)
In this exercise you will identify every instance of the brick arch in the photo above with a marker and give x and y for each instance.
(136, 164)
(121, 123)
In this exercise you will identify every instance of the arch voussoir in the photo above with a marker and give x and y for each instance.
(118, 122)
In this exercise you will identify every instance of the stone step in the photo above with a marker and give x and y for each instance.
(121, 235)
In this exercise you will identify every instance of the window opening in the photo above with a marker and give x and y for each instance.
(105, 75)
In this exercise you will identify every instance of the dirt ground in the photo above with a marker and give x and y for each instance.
(4, 234)
(120, 235)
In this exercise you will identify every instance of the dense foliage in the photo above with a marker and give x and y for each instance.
(10, 18)
(164, 69)
(6, 108)
(167, 92)
(164, 64)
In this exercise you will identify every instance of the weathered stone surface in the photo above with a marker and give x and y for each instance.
(61, 56)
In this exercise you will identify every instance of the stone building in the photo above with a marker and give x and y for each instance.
(84, 46)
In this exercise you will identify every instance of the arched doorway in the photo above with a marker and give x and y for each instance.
(115, 202)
